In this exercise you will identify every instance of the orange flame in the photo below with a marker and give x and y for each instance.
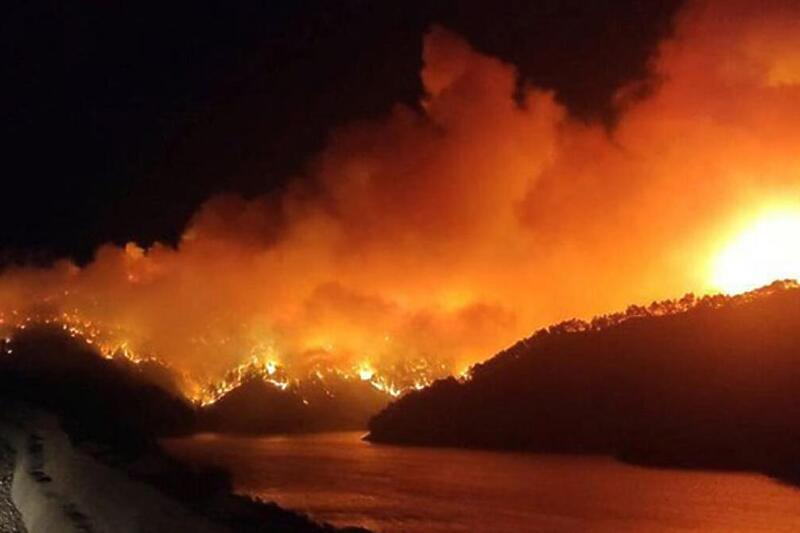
(431, 238)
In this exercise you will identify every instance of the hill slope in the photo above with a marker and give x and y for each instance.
(259, 407)
(112, 414)
(705, 383)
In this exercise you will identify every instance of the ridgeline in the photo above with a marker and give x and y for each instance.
(702, 383)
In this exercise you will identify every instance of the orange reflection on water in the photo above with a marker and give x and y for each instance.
(338, 478)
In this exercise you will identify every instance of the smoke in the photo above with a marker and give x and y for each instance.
(427, 240)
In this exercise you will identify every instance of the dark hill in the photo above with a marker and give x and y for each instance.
(712, 383)
(258, 406)
(99, 398)
(134, 404)
(255, 406)
(117, 411)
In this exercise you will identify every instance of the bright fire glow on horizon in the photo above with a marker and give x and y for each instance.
(767, 250)
(365, 373)
(429, 239)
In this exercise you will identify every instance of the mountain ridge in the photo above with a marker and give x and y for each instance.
(709, 384)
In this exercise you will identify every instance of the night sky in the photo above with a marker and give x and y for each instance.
(120, 118)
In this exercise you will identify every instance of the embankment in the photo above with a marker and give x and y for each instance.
(59, 488)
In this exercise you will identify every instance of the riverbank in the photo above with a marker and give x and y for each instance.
(85, 433)
(10, 518)
(60, 488)
(339, 478)
(61, 485)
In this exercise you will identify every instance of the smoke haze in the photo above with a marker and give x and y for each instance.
(429, 239)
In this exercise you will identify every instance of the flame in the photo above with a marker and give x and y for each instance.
(422, 242)
(271, 373)
(365, 372)
(417, 377)
(268, 371)
(110, 344)
(767, 249)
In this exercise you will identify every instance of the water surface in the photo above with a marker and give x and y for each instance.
(338, 478)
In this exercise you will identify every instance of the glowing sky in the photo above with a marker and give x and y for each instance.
(434, 238)
(766, 250)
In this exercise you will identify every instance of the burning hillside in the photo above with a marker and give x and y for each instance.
(110, 345)
(139, 399)
(419, 243)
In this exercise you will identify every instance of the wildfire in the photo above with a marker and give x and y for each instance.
(109, 342)
(430, 238)
(269, 371)
(365, 372)
(767, 249)
(263, 364)
(393, 382)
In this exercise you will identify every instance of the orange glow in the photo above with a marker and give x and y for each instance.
(365, 373)
(768, 249)
(425, 241)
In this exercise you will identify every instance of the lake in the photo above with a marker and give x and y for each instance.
(338, 478)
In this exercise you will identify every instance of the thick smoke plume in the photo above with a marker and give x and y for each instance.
(425, 241)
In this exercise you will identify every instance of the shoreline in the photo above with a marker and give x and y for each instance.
(59, 486)
(10, 517)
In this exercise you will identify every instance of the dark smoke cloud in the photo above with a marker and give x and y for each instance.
(441, 236)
